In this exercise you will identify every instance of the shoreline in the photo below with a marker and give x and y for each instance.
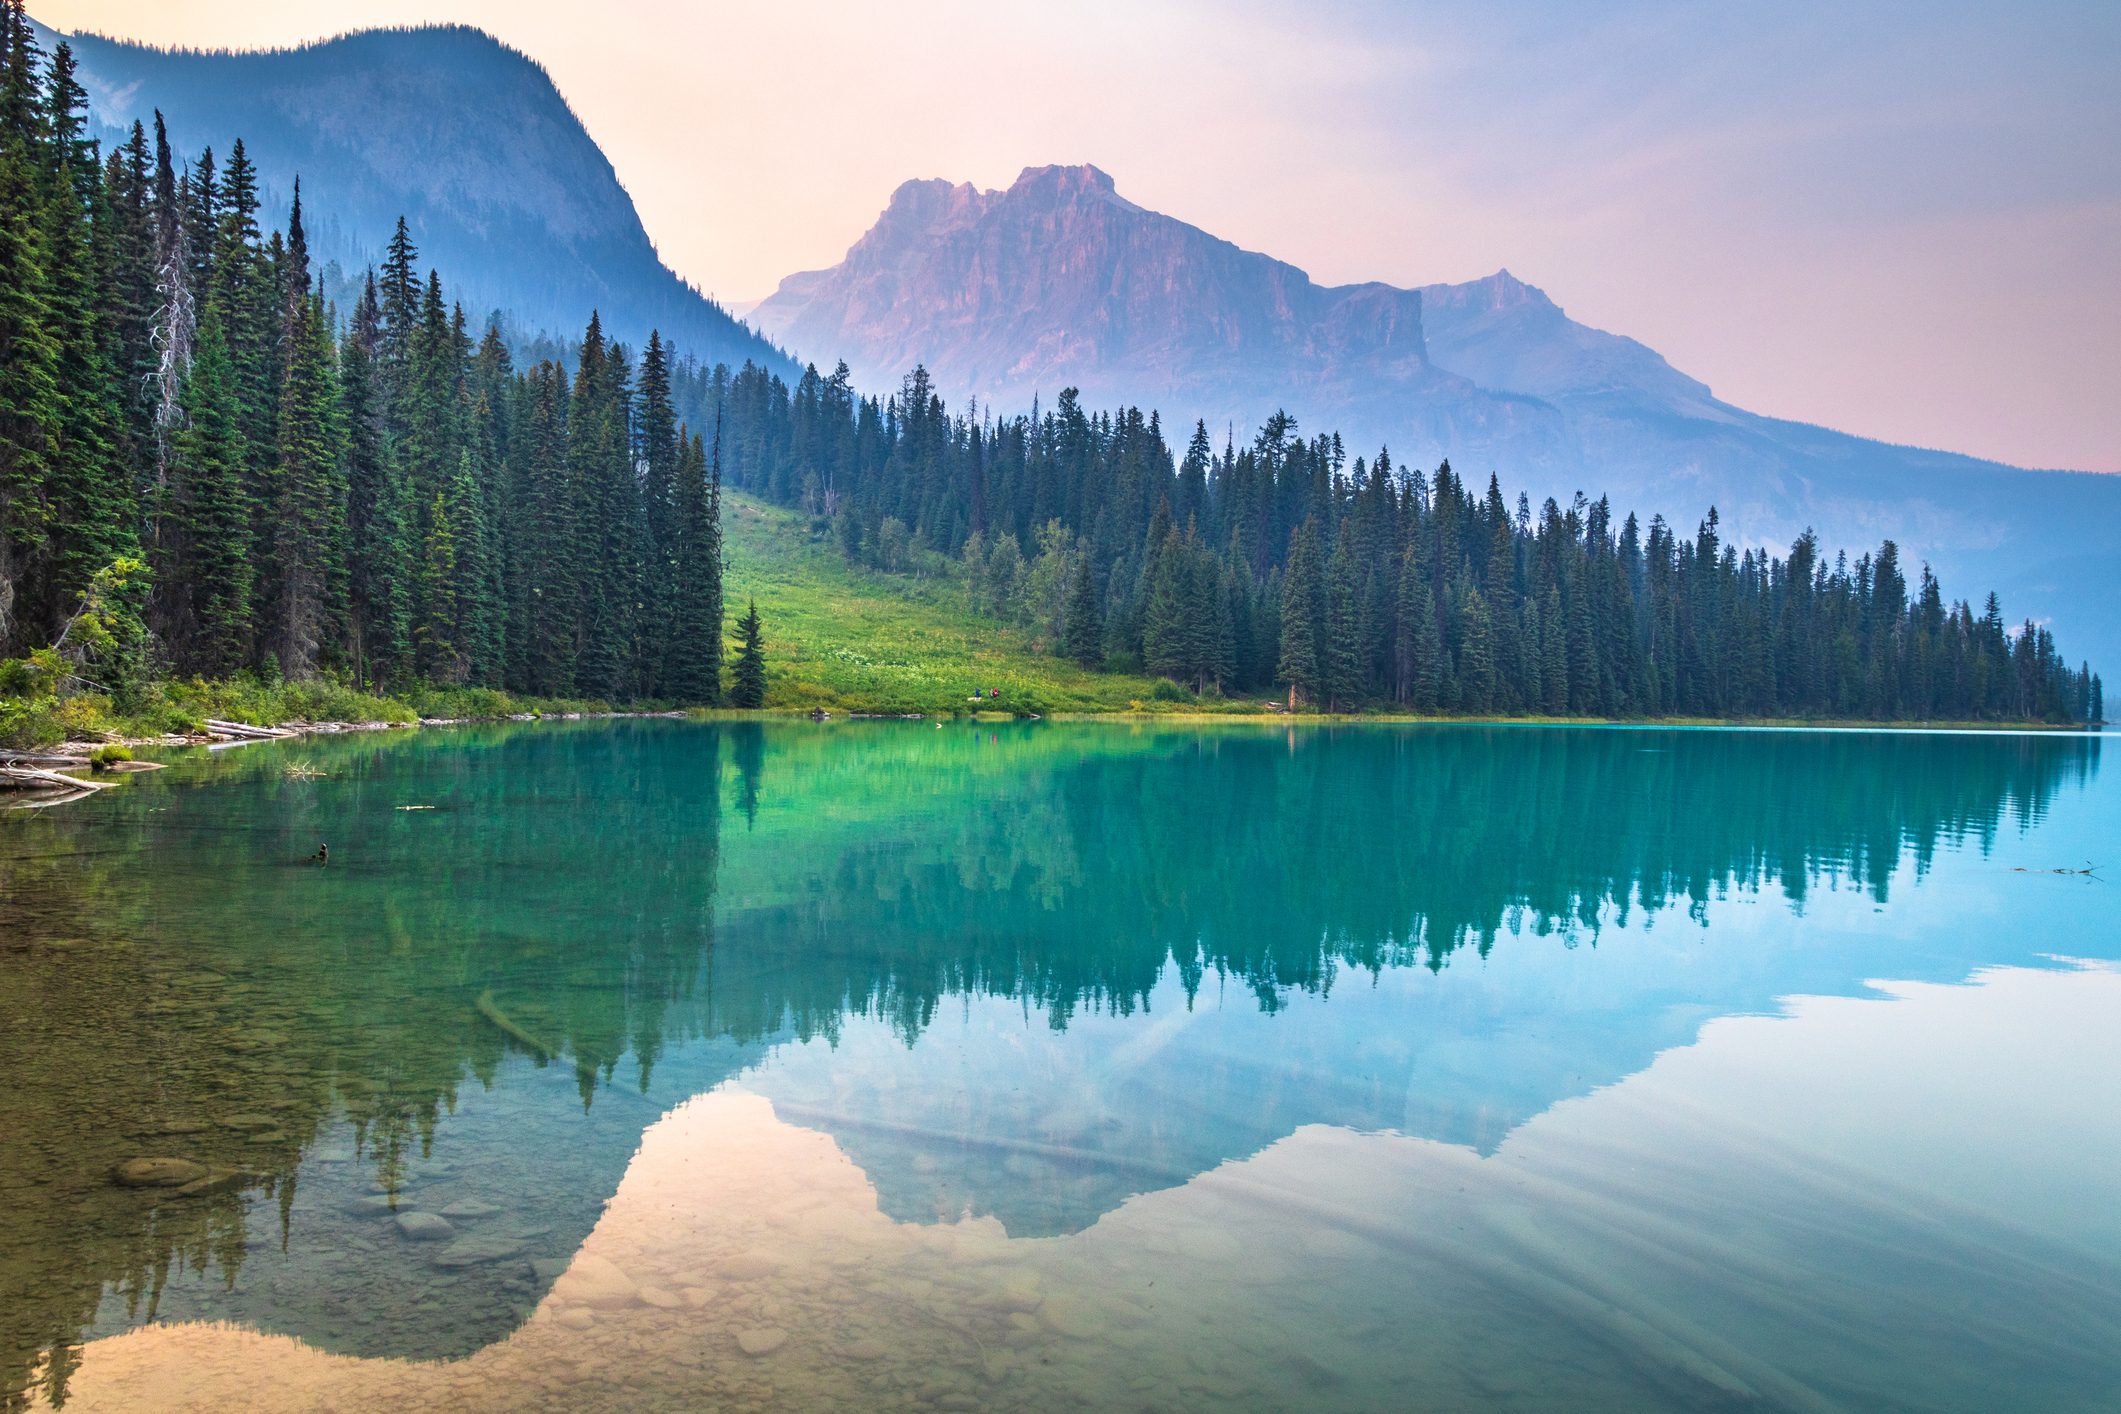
(220, 734)
(32, 775)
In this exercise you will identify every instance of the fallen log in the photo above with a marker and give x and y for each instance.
(34, 778)
(248, 732)
(40, 758)
(487, 1007)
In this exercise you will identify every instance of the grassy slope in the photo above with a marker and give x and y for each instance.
(849, 639)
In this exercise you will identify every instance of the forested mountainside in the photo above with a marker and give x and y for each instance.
(1284, 566)
(1060, 281)
(464, 137)
(207, 468)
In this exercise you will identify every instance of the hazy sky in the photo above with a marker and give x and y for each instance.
(1897, 219)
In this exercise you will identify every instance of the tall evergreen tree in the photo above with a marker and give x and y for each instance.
(309, 520)
(205, 558)
(693, 667)
(748, 687)
(1302, 619)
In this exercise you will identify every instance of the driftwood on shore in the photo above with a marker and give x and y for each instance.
(217, 727)
(40, 758)
(37, 778)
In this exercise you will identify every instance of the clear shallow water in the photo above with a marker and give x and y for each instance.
(1024, 1067)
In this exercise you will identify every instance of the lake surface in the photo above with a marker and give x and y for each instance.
(664, 1065)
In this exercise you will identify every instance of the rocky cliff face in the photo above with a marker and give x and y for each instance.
(1061, 281)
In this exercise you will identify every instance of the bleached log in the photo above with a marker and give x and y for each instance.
(34, 778)
(247, 732)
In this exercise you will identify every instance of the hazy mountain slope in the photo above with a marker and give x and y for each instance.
(1059, 280)
(505, 191)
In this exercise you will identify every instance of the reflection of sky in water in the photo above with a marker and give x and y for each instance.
(1735, 1226)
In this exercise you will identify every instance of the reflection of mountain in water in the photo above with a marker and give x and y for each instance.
(1216, 937)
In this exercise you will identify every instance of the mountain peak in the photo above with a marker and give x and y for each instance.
(1491, 293)
(1079, 178)
(466, 137)
(1060, 281)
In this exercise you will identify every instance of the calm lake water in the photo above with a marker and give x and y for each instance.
(662, 1065)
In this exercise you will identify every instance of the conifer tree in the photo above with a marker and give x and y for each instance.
(693, 668)
(88, 487)
(1476, 657)
(748, 690)
(309, 520)
(1302, 618)
(1082, 632)
(1167, 639)
(1340, 672)
(31, 393)
(175, 319)
(205, 560)
(435, 650)
(656, 454)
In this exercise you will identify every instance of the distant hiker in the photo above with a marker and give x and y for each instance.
(323, 854)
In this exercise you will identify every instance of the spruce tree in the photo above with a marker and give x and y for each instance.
(205, 559)
(435, 649)
(1082, 633)
(692, 671)
(1340, 661)
(1302, 618)
(748, 688)
(309, 520)
(31, 395)
(88, 487)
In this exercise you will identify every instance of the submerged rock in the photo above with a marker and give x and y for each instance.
(425, 1227)
(761, 1340)
(469, 1208)
(750, 1266)
(158, 1173)
(1072, 1318)
(215, 1181)
(659, 1298)
(591, 1280)
(476, 1251)
(249, 1121)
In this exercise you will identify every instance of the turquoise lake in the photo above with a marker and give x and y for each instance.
(669, 1065)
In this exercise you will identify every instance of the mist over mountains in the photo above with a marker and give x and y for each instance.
(503, 189)
(1061, 281)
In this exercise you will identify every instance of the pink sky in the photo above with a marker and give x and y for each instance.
(1901, 223)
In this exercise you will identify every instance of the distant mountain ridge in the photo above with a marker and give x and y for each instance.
(1058, 280)
(503, 189)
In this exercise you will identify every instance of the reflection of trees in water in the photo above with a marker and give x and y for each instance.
(181, 969)
(561, 902)
(1072, 882)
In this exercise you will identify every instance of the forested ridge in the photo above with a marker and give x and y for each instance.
(1280, 566)
(194, 444)
(237, 477)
